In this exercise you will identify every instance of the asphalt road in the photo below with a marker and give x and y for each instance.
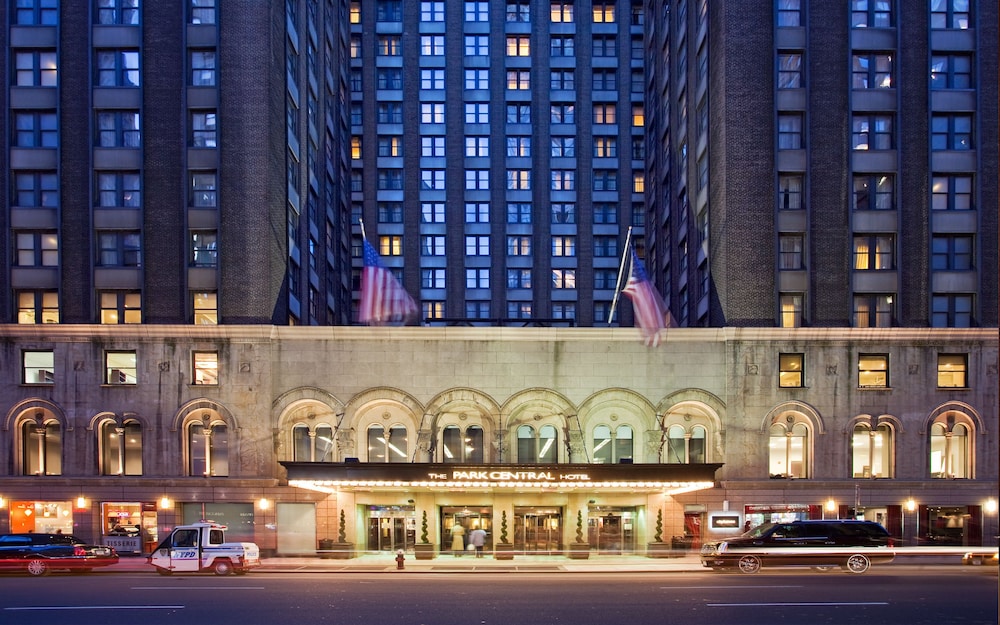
(931, 595)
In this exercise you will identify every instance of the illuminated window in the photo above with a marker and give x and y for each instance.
(789, 448)
(205, 366)
(952, 371)
(872, 451)
(387, 444)
(458, 446)
(38, 367)
(121, 448)
(120, 368)
(873, 371)
(537, 446)
(612, 447)
(791, 372)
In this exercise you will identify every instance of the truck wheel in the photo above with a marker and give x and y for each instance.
(749, 564)
(37, 568)
(858, 563)
(222, 567)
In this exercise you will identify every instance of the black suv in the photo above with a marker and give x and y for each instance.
(853, 545)
(37, 554)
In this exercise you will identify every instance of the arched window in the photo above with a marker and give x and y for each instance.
(41, 447)
(466, 447)
(686, 447)
(387, 445)
(612, 450)
(950, 456)
(789, 450)
(121, 448)
(542, 449)
(872, 451)
(312, 446)
(208, 449)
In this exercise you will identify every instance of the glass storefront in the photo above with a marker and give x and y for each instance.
(391, 528)
(129, 527)
(457, 522)
(611, 529)
(237, 517)
(538, 530)
(43, 517)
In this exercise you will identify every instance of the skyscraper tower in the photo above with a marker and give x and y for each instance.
(824, 164)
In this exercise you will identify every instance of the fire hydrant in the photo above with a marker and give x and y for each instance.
(399, 559)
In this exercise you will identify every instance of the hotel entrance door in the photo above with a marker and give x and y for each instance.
(391, 528)
(611, 530)
(538, 530)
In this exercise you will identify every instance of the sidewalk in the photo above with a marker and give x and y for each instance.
(386, 562)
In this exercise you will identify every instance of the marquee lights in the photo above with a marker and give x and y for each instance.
(332, 486)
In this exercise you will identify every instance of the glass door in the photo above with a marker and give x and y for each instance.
(611, 530)
(458, 523)
(538, 530)
(391, 528)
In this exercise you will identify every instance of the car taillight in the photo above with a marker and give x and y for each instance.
(79, 551)
(891, 543)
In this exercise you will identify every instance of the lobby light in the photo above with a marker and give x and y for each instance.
(165, 503)
(263, 503)
(911, 505)
(991, 506)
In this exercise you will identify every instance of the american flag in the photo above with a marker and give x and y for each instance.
(382, 296)
(650, 312)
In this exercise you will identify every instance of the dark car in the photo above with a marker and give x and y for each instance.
(852, 545)
(37, 554)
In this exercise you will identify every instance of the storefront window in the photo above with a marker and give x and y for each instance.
(43, 517)
(129, 527)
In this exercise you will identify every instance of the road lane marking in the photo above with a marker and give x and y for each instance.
(724, 587)
(795, 604)
(94, 607)
(186, 589)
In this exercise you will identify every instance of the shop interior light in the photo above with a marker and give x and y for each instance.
(3, 502)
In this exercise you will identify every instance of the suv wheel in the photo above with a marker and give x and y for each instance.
(858, 563)
(223, 567)
(749, 564)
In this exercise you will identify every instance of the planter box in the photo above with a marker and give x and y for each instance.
(337, 551)
(503, 551)
(578, 551)
(424, 551)
(660, 550)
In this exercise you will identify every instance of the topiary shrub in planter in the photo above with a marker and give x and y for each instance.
(423, 550)
(658, 548)
(342, 550)
(503, 550)
(579, 550)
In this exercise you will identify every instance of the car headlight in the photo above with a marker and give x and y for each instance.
(722, 547)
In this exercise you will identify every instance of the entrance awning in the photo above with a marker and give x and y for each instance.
(650, 478)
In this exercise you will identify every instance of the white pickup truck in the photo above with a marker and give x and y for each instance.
(202, 547)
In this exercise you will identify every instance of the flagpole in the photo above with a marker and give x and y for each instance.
(621, 271)
(361, 222)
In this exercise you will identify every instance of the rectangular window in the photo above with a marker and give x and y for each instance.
(872, 132)
(518, 80)
(117, 68)
(38, 367)
(562, 79)
(605, 213)
(519, 179)
(871, 14)
(432, 113)
(605, 147)
(604, 80)
(951, 310)
(563, 213)
(37, 68)
(874, 192)
(120, 307)
(477, 79)
(477, 245)
(874, 252)
(37, 307)
(871, 71)
(790, 195)
(791, 370)
(951, 132)
(951, 71)
(389, 78)
(518, 212)
(474, 146)
(205, 308)
(203, 70)
(563, 180)
(518, 246)
(389, 179)
(477, 45)
(518, 278)
(36, 129)
(789, 13)
(477, 212)
(873, 310)
(118, 190)
(790, 131)
(36, 249)
(477, 179)
(563, 246)
(477, 114)
(519, 11)
(605, 180)
(563, 278)
(432, 179)
(518, 45)
(476, 309)
(204, 248)
(564, 46)
(36, 13)
(389, 45)
(952, 192)
(952, 252)
(388, 213)
(953, 371)
(117, 129)
(391, 145)
(605, 113)
(388, 11)
(119, 249)
(205, 367)
(518, 114)
(477, 11)
(790, 252)
(431, 245)
(202, 12)
(203, 129)
(790, 70)
(432, 11)
(604, 46)
(120, 368)
(873, 371)
(561, 11)
(431, 213)
(477, 278)
(604, 12)
(432, 278)
(606, 247)
(36, 189)
(518, 146)
(952, 14)
(204, 189)
(791, 310)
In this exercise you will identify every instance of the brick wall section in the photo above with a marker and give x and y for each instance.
(741, 115)
(988, 144)
(828, 123)
(165, 237)
(252, 196)
(75, 141)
